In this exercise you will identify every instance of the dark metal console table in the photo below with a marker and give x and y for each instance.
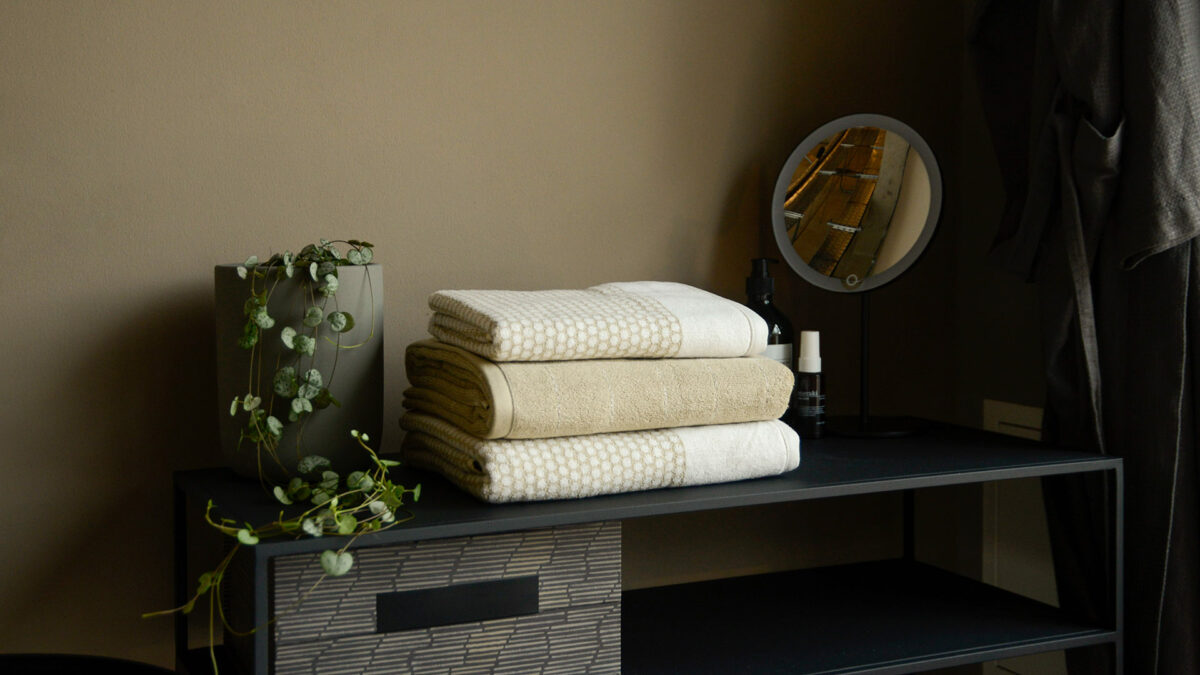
(889, 616)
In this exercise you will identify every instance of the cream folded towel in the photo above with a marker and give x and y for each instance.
(639, 319)
(543, 399)
(585, 466)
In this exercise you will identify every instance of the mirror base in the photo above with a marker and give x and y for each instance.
(854, 426)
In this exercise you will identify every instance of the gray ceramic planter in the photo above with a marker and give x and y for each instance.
(356, 382)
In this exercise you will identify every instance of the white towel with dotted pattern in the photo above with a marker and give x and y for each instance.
(638, 319)
(568, 467)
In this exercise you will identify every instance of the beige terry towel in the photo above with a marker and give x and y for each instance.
(545, 399)
(584, 466)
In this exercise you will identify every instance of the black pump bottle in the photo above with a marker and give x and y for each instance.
(760, 293)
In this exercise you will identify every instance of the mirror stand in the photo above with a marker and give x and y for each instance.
(863, 425)
(855, 206)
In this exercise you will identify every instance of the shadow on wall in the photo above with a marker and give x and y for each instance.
(147, 393)
(766, 66)
(736, 241)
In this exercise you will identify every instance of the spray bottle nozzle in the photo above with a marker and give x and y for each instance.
(810, 352)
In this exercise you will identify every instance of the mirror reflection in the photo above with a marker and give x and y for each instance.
(857, 202)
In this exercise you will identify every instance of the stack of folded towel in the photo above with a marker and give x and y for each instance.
(531, 395)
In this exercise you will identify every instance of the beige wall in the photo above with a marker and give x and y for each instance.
(477, 144)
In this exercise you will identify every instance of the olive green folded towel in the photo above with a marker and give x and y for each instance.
(543, 399)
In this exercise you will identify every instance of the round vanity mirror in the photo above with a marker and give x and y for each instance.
(856, 203)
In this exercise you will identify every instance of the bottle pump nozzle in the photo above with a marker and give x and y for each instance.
(760, 280)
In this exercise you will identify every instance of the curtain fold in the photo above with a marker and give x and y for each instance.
(1094, 109)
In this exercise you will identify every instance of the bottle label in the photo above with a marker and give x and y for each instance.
(781, 353)
(808, 403)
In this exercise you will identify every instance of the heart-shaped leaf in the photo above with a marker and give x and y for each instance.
(251, 261)
(284, 382)
(262, 319)
(359, 481)
(311, 387)
(304, 344)
(313, 316)
(354, 256)
(251, 402)
(324, 400)
(298, 490)
(330, 286)
(281, 495)
(288, 335)
(313, 376)
(274, 426)
(301, 406)
(346, 523)
(311, 527)
(367, 253)
(249, 335)
(312, 271)
(312, 464)
(380, 509)
(246, 537)
(341, 322)
(336, 564)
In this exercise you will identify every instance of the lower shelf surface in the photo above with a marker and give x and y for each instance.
(881, 617)
(199, 661)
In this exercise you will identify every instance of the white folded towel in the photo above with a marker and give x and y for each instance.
(639, 319)
(585, 466)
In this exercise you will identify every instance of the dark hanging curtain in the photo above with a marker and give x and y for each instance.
(1094, 111)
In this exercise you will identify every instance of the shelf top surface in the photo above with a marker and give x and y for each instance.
(829, 467)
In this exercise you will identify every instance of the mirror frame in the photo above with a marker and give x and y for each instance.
(779, 226)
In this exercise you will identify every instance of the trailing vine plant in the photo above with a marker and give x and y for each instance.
(319, 500)
(296, 387)
(366, 501)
